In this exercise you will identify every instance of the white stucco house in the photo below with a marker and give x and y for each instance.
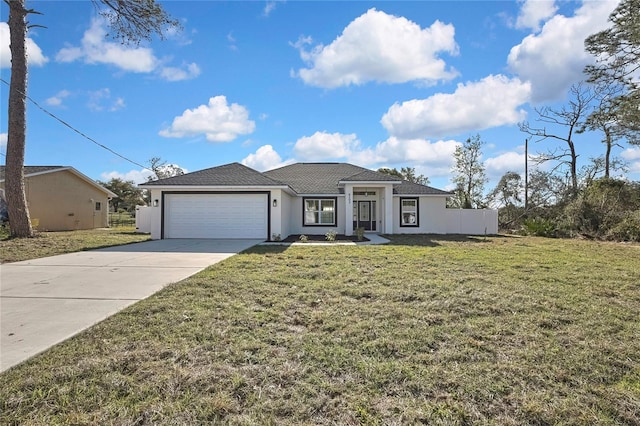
(235, 201)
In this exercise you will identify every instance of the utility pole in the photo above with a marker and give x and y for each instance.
(526, 175)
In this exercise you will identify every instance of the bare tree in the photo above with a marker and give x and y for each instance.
(131, 20)
(568, 120)
(162, 170)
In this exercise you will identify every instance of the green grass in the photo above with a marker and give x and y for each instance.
(504, 331)
(52, 243)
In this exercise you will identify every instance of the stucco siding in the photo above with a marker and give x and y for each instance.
(296, 226)
(285, 216)
(62, 201)
(432, 217)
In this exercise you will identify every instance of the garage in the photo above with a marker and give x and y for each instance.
(209, 215)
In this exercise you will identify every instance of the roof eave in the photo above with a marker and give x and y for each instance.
(215, 187)
(424, 195)
(369, 182)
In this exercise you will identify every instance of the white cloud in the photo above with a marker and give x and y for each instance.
(324, 146)
(506, 162)
(435, 157)
(35, 56)
(217, 120)
(117, 104)
(383, 48)
(186, 72)
(555, 58)
(265, 158)
(101, 100)
(137, 176)
(534, 12)
(632, 155)
(269, 7)
(3, 141)
(232, 42)
(432, 158)
(58, 98)
(94, 49)
(321, 146)
(473, 106)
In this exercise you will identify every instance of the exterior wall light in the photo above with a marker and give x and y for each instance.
(156, 202)
(275, 203)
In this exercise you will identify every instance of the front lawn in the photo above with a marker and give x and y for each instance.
(504, 331)
(53, 243)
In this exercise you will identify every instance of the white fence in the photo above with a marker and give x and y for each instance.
(472, 221)
(143, 219)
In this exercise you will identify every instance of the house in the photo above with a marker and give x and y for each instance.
(235, 201)
(60, 198)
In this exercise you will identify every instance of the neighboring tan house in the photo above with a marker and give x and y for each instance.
(235, 201)
(60, 198)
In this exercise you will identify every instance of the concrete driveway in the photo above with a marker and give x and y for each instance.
(45, 301)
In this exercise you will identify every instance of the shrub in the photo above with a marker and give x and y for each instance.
(360, 233)
(539, 227)
(275, 237)
(628, 229)
(304, 238)
(330, 236)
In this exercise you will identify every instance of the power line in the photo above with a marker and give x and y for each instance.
(76, 130)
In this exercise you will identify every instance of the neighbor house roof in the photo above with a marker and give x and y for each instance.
(30, 171)
(234, 174)
(33, 170)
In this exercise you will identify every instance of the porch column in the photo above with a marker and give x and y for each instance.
(388, 209)
(348, 209)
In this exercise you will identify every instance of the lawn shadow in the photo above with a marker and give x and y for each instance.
(434, 240)
(267, 248)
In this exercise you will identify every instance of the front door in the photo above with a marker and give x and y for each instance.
(365, 215)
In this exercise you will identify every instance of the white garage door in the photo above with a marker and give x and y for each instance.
(215, 216)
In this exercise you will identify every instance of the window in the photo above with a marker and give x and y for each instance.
(408, 212)
(319, 211)
(98, 206)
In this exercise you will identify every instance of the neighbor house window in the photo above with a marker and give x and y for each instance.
(319, 211)
(408, 212)
(98, 206)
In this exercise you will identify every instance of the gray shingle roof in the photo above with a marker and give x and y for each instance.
(30, 170)
(371, 176)
(410, 188)
(323, 178)
(226, 175)
(303, 178)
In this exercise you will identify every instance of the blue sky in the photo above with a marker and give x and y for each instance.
(377, 84)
